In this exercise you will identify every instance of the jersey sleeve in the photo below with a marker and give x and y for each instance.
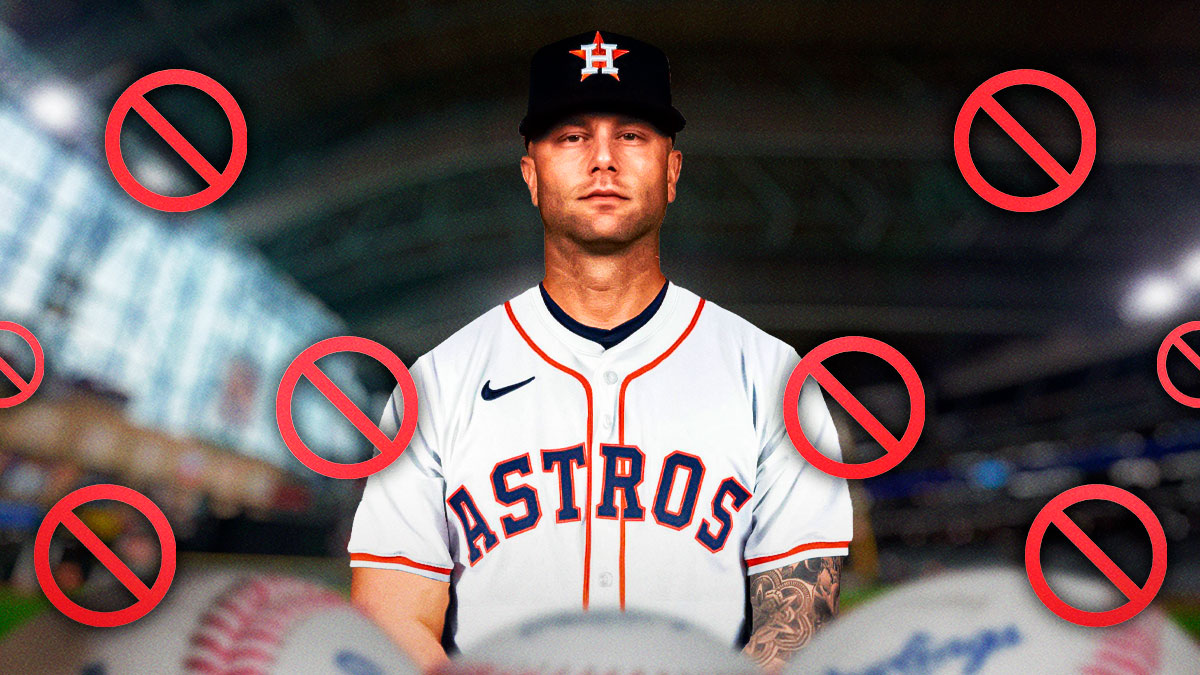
(798, 511)
(400, 523)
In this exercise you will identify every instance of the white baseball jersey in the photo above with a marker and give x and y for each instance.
(547, 473)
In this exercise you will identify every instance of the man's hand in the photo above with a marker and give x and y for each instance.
(789, 605)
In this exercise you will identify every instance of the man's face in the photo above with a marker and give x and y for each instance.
(602, 180)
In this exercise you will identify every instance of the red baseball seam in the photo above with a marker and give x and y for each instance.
(1127, 662)
(244, 631)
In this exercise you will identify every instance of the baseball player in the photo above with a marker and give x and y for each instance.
(605, 438)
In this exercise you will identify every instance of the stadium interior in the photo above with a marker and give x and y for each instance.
(820, 197)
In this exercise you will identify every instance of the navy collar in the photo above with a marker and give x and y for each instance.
(605, 337)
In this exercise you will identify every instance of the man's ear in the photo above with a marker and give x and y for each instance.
(674, 165)
(529, 173)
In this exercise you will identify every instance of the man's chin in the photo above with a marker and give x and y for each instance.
(598, 243)
(609, 237)
(600, 234)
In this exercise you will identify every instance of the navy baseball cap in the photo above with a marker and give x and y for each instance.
(599, 72)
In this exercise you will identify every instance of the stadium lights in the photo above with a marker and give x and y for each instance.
(1191, 269)
(155, 173)
(56, 106)
(1153, 298)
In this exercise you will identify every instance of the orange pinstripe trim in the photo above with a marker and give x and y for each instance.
(621, 427)
(802, 547)
(587, 389)
(621, 559)
(644, 369)
(399, 560)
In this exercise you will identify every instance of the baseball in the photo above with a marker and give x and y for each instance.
(216, 623)
(601, 642)
(989, 620)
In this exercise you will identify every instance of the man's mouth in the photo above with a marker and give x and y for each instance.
(604, 195)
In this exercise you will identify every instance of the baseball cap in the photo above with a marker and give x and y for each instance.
(599, 71)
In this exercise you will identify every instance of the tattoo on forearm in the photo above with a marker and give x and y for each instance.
(789, 605)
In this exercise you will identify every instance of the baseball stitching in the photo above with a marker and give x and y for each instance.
(244, 631)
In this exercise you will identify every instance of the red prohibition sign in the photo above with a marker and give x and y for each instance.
(24, 389)
(983, 99)
(1139, 596)
(304, 365)
(1175, 339)
(63, 513)
(134, 98)
(813, 365)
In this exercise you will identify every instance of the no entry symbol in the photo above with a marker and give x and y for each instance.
(813, 364)
(304, 365)
(983, 99)
(134, 98)
(1139, 596)
(1174, 340)
(63, 513)
(24, 389)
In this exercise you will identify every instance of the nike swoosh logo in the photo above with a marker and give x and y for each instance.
(489, 394)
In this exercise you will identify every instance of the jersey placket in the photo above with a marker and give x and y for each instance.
(605, 374)
(611, 380)
(605, 381)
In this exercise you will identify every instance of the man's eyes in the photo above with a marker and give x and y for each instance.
(626, 136)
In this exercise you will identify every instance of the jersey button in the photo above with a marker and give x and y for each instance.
(606, 579)
(608, 421)
(610, 377)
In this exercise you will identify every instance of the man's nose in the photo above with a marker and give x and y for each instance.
(602, 155)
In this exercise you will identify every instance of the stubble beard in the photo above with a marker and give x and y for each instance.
(578, 230)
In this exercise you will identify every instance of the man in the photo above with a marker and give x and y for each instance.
(606, 438)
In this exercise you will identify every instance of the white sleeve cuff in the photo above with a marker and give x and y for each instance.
(399, 562)
(816, 549)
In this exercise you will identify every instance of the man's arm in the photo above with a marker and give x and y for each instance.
(409, 608)
(788, 606)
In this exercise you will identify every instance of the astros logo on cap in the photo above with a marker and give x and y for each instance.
(592, 59)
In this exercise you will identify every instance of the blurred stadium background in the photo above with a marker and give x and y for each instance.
(381, 198)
